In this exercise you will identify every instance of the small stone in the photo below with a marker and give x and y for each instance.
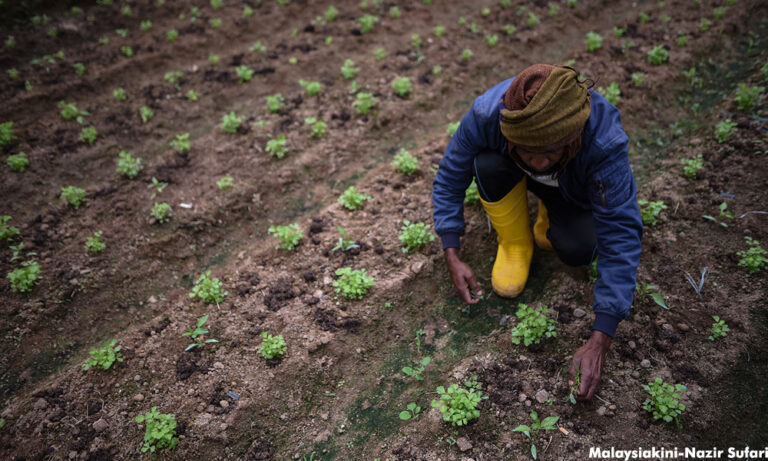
(464, 444)
(218, 365)
(683, 327)
(579, 312)
(100, 425)
(667, 327)
(542, 396)
(612, 407)
(324, 416)
(366, 404)
(138, 397)
(72, 455)
(224, 404)
(636, 374)
(632, 345)
(527, 403)
(601, 411)
(152, 300)
(522, 397)
(323, 436)
(41, 404)
(645, 363)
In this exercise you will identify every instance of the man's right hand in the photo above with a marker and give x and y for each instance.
(462, 277)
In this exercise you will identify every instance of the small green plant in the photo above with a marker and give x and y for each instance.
(94, 245)
(145, 25)
(509, 29)
(752, 259)
(719, 329)
(411, 412)
(13, 73)
(244, 73)
(192, 95)
(532, 20)
(88, 134)
(73, 195)
(682, 40)
(272, 346)
(197, 334)
(645, 290)
(402, 86)
(533, 325)
(215, 23)
(748, 97)
(415, 235)
(394, 12)
(638, 78)
(352, 284)
(658, 55)
(466, 54)
(6, 133)
(276, 147)
(553, 9)
(319, 127)
(348, 69)
(367, 22)
(79, 68)
(644, 17)
(458, 404)
(724, 130)
(173, 77)
(415, 372)
(532, 431)
(24, 278)
(160, 430)
(594, 41)
(649, 211)
(257, 47)
(288, 236)
(416, 41)
(619, 32)
(127, 51)
(7, 232)
(471, 195)
(275, 103)
(345, 243)
(162, 212)
(351, 199)
(172, 35)
(364, 102)
(664, 400)
(231, 122)
(213, 59)
(119, 94)
(380, 53)
(18, 162)
(439, 30)
(405, 162)
(612, 93)
(719, 12)
(491, 40)
(70, 111)
(181, 143)
(208, 290)
(146, 114)
(452, 128)
(312, 88)
(331, 13)
(691, 166)
(104, 356)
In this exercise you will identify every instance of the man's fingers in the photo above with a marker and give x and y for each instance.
(463, 291)
(474, 285)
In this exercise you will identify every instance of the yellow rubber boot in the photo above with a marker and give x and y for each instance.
(509, 217)
(540, 229)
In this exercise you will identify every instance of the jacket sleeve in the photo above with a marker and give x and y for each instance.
(619, 229)
(454, 175)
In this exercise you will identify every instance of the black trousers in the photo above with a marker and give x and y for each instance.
(571, 229)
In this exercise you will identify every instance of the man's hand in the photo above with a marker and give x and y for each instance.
(589, 358)
(462, 277)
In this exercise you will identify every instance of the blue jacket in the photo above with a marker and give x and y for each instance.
(599, 179)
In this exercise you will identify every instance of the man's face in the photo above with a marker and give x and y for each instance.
(541, 159)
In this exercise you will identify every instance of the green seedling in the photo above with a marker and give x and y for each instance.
(272, 346)
(208, 290)
(415, 372)
(645, 290)
(353, 200)
(644, 17)
(7, 232)
(532, 20)
(658, 55)
(638, 78)
(364, 103)
(312, 88)
(405, 162)
(458, 404)
(119, 94)
(126, 11)
(146, 114)
(24, 278)
(94, 245)
(691, 166)
(173, 77)
(6, 133)
(145, 25)
(411, 412)
(380, 53)
(416, 41)
(319, 127)
(127, 51)
(471, 195)
(181, 143)
(158, 187)
(79, 68)
(215, 23)
(574, 391)
(88, 134)
(719, 329)
(70, 111)
(217, 4)
(162, 212)
(752, 259)
(353, 284)
(466, 54)
(345, 243)
(533, 325)
(367, 22)
(160, 431)
(439, 30)
(13, 73)
(276, 147)
(197, 334)
(491, 40)
(594, 41)
(288, 236)
(244, 73)
(348, 69)
(247, 11)
(748, 97)
(415, 235)
(724, 130)
(532, 431)
(619, 32)
(172, 35)
(213, 59)
(682, 40)
(192, 95)
(664, 400)
(419, 334)
(553, 9)
(18, 162)
(231, 122)
(257, 47)
(275, 103)
(225, 184)
(73, 195)
(104, 356)
(612, 93)
(394, 12)
(649, 211)
(331, 13)
(451, 128)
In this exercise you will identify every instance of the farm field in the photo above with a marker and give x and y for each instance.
(167, 142)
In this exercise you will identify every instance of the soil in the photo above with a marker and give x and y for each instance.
(338, 390)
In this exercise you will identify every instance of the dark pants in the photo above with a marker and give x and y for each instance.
(571, 229)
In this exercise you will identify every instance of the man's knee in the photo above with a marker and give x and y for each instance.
(575, 253)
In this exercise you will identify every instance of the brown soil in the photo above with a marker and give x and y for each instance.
(338, 390)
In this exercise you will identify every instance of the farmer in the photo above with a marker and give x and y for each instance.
(547, 132)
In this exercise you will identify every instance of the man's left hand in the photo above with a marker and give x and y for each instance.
(589, 358)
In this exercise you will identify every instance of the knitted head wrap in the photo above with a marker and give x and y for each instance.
(544, 104)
